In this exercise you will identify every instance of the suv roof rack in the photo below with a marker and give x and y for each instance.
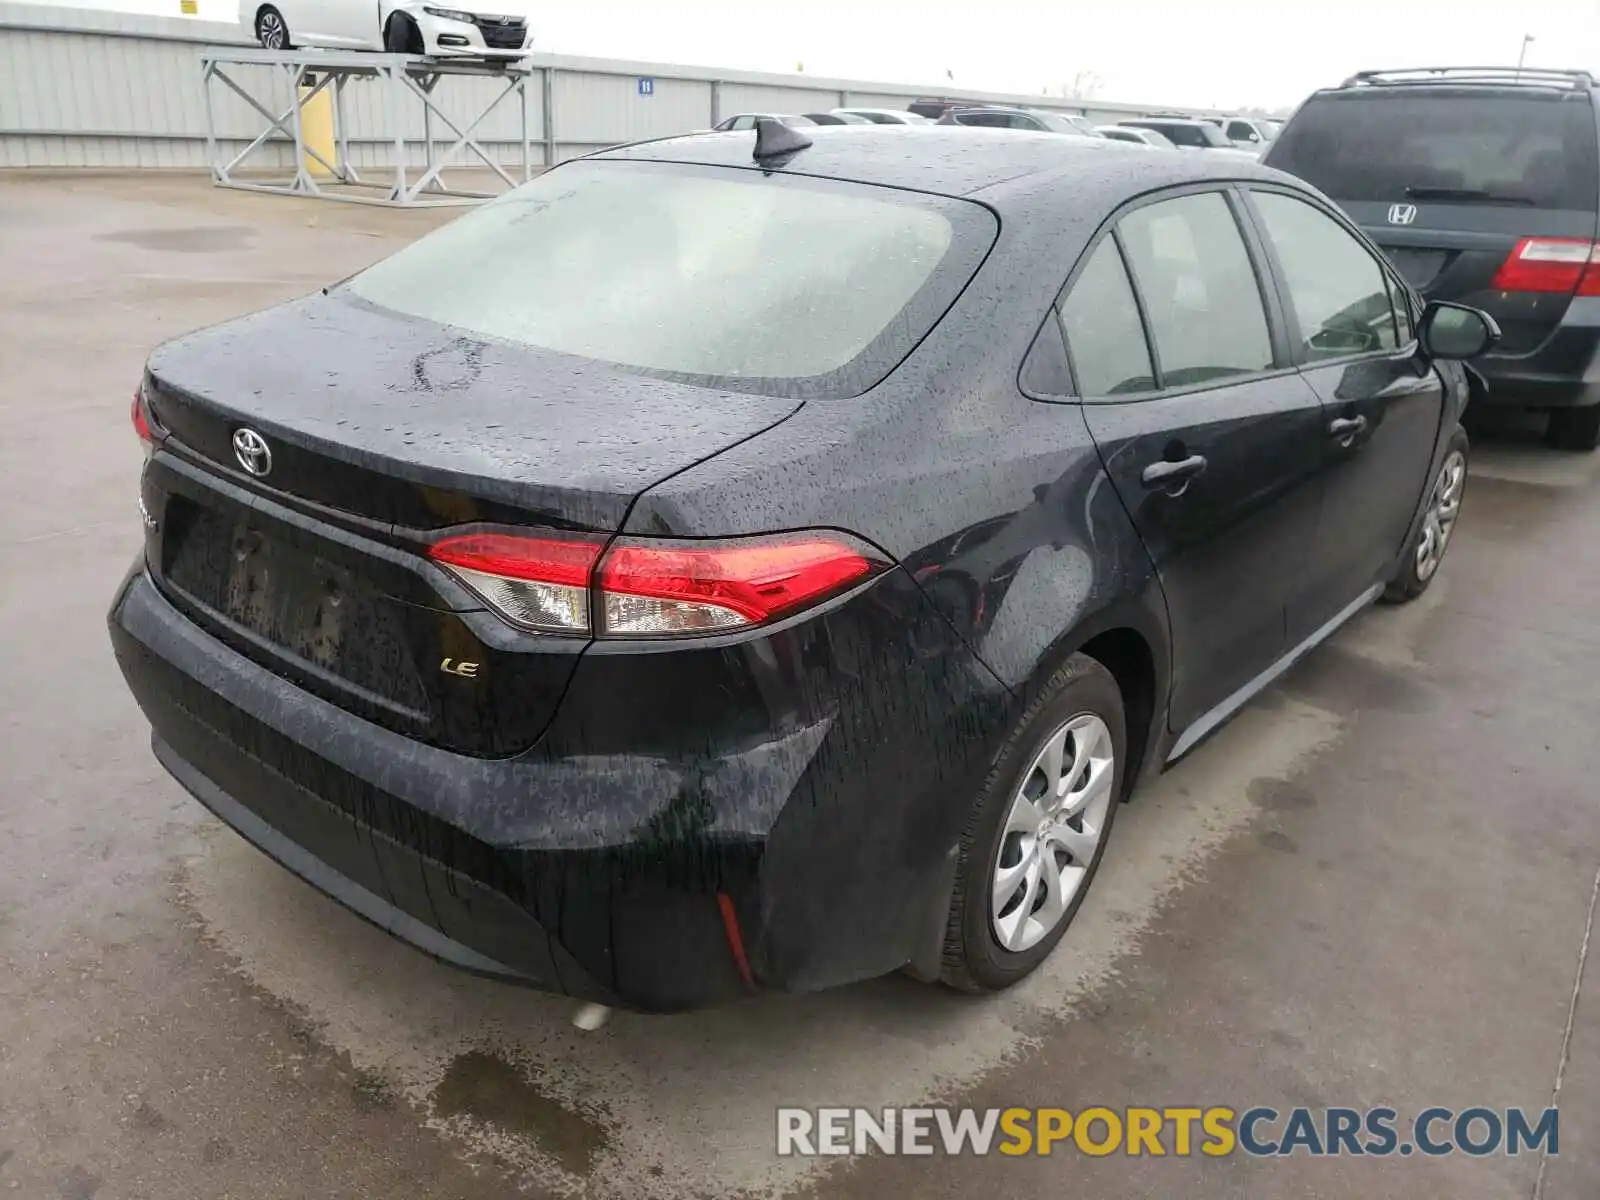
(1512, 76)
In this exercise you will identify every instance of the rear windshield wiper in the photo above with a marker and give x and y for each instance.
(1469, 195)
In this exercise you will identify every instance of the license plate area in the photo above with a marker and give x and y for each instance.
(296, 604)
(292, 600)
(1419, 267)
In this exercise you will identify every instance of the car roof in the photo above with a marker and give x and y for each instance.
(1000, 166)
(1502, 82)
(1139, 121)
(1492, 78)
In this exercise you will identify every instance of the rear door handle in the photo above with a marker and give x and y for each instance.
(1345, 429)
(1173, 475)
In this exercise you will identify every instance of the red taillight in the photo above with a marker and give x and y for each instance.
(141, 422)
(1550, 265)
(647, 587)
(537, 582)
(685, 587)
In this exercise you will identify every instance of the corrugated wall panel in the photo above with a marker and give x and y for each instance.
(602, 110)
(893, 100)
(20, 64)
(756, 97)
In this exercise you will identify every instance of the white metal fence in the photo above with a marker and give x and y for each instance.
(87, 88)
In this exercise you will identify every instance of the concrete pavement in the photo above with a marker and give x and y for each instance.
(1372, 887)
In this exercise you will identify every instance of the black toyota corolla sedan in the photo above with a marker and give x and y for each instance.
(766, 560)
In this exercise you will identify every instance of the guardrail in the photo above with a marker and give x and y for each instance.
(88, 88)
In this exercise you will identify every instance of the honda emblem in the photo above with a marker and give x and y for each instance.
(1402, 214)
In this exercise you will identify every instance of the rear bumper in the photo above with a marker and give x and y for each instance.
(306, 783)
(588, 866)
(541, 968)
(1563, 372)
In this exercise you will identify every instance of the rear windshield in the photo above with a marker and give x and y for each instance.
(1451, 145)
(731, 277)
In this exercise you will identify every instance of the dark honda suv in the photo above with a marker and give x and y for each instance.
(766, 561)
(1482, 185)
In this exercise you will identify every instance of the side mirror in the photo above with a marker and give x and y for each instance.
(1253, 136)
(1456, 330)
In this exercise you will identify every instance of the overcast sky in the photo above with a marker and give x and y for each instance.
(1222, 53)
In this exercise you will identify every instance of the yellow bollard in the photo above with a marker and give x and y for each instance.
(316, 130)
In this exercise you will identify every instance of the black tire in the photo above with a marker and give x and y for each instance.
(272, 31)
(401, 35)
(1574, 428)
(974, 960)
(1414, 579)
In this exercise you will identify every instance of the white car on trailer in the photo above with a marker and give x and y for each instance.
(477, 29)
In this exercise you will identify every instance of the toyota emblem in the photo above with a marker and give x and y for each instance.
(1402, 214)
(252, 451)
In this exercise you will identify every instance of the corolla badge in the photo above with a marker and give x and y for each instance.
(1402, 214)
(252, 451)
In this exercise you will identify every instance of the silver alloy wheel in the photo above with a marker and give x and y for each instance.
(270, 31)
(1055, 825)
(1444, 505)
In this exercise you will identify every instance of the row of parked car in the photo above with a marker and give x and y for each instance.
(1165, 131)
(1481, 184)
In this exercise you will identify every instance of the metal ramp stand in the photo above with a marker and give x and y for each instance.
(401, 78)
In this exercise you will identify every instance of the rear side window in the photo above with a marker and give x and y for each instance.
(1184, 135)
(1105, 338)
(777, 284)
(986, 120)
(1453, 145)
(1199, 289)
(1339, 293)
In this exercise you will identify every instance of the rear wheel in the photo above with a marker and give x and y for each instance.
(1037, 832)
(1432, 539)
(272, 31)
(401, 35)
(1574, 428)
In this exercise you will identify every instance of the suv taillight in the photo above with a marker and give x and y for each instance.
(647, 587)
(1564, 265)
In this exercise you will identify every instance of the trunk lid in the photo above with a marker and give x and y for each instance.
(1449, 179)
(383, 431)
(403, 421)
